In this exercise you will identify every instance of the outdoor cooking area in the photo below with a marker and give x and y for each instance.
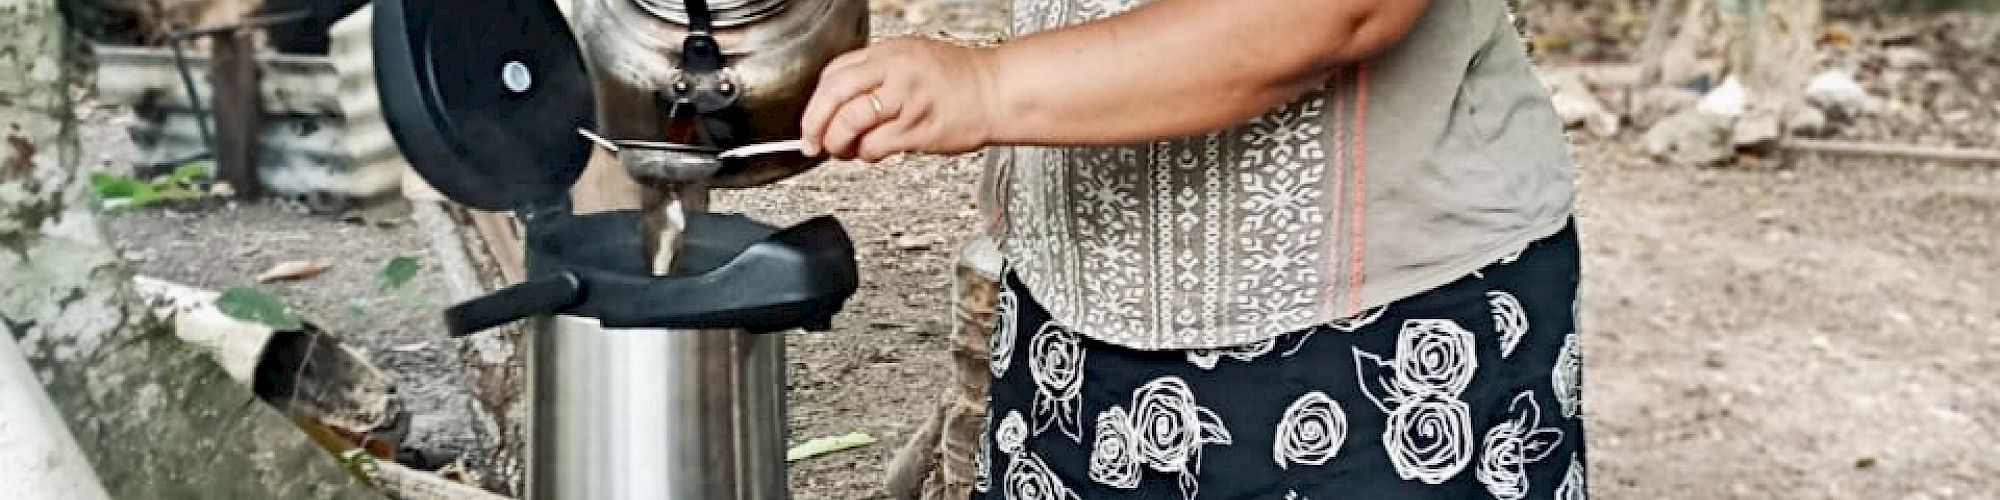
(464, 249)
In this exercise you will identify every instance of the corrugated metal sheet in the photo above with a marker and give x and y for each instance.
(369, 142)
(147, 76)
(305, 149)
(298, 155)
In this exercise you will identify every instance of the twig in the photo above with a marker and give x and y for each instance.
(1911, 151)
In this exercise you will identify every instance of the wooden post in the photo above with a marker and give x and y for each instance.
(238, 111)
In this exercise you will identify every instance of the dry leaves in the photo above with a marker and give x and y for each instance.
(293, 270)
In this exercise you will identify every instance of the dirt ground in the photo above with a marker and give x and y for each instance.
(1822, 330)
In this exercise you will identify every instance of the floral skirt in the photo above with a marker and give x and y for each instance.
(1469, 391)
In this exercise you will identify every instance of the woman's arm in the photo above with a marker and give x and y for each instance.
(1180, 67)
(1167, 68)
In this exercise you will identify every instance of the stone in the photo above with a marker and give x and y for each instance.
(1728, 100)
(1836, 94)
(1575, 103)
(1907, 58)
(1808, 121)
(1660, 101)
(1757, 131)
(1691, 137)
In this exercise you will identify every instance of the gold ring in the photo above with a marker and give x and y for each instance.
(876, 103)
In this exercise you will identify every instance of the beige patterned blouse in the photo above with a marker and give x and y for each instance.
(1397, 176)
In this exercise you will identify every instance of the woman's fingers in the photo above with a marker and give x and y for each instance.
(854, 120)
(837, 90)
(885, 140)
(903, 134)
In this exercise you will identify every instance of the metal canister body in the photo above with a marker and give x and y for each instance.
(654, 414)
(775, 50)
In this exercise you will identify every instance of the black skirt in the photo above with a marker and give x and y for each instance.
(1469, 391)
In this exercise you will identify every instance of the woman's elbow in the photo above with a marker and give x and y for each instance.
(1370, 29)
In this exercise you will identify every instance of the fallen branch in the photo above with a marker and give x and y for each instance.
(397, 481)
(1908, 151)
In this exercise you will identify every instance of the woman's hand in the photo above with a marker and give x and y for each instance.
(904, 95)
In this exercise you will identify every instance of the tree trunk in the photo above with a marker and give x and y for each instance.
(1772, 51)
(155, 418)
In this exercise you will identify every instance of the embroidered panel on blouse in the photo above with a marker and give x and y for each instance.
(1205, 241)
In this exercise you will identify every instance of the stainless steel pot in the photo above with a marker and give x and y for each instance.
(641, 413)
(774, 51)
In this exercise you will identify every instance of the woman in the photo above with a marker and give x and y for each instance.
(1274, 249)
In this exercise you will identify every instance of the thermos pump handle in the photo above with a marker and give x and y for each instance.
(536, 297)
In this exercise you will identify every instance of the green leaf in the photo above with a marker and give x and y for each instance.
(190, 171)
(143, 195)
(110, 186)
(356, 309)
(829, 444)
(258, 306)
(397, 272)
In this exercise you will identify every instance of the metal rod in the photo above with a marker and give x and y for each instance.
(194, 96)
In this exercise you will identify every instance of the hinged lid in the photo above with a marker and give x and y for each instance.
(484, 97)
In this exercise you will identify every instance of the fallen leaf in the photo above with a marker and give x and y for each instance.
(258, 306)
(410, 347)
(829, 444)
(397, 272)
(292, 270)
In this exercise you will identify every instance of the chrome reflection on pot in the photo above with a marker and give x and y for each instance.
(632, 413)
(774, 50)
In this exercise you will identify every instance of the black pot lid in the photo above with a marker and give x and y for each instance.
(484, 97)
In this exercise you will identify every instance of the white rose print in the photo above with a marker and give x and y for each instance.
(1055, 359)
(1114, 458)
(1002, 353)
(1028, 478)
(1567, 377)
(1206, 359)
(1513, 444)
(1430, 438)
(1573, 485)
(1435, 356)
(1012, 435)
(1429, 432)
(1166, 432)
(1510, 319)
(1310, 432)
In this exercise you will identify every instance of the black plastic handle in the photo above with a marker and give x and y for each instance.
(536, 297)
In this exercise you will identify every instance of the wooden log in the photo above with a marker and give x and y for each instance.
(307, 374)
(1904, 151)
(41, 459)
(156, 418)
(504, 240)
(937, 462)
